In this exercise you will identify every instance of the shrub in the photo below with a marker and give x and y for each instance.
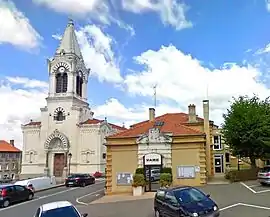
(241, 175)
(139, 170)
(138, 180)
(165, 179)
(97, 174)
(166, 170)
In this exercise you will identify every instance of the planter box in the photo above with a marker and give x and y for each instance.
(138, 191)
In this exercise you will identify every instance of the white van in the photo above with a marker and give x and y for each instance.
(38, 183)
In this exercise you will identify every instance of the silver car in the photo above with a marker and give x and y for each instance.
(264, 175)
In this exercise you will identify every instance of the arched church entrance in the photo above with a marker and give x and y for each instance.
(57, 150)
(152, 163)
(59, 159)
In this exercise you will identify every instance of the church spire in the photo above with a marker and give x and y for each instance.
(69, 43)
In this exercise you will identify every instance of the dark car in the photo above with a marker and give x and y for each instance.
(79, 180)
(14, 193)
(184, 201)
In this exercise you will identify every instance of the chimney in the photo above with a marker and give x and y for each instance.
(192, 113)
(207, 133)
(151, 114)
(11, 142)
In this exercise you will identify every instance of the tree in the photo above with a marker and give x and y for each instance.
(246, 127)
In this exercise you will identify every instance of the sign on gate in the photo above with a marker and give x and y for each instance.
(152, 159)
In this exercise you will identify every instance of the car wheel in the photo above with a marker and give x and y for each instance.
(6, 203)
(30, 196)
(262, 183)
(157, 214)
(67, 186)
(83, 184)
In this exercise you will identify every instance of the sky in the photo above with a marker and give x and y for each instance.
(189, 49)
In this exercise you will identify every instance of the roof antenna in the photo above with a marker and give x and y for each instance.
(155, 95)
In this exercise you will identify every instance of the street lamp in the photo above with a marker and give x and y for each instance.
(69, 157)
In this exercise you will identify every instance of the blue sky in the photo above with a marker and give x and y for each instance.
(185, 47)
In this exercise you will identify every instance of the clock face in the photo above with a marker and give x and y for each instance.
(61, 69)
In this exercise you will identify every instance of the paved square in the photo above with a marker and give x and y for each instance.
(234, 200)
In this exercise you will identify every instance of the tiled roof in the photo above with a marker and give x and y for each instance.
(6, 147)
(172, 124)
(97, 121)
(89, 121)
(32, 123)
(179, 117)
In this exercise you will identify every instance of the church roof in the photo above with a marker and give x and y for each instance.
(7, 147)
(173, 123)
(69, 42)
(97, 121)
(89, 121)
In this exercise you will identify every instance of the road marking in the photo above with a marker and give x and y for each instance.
(244, 204)
(252, 186)
(45, 196)
(86, 204)
(249, 188)
(254, 206)
(229, 207)
(263, 191)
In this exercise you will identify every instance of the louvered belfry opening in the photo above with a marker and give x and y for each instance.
(61, 82)
(79, 83)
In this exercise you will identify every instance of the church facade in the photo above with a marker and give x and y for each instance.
(68, 138)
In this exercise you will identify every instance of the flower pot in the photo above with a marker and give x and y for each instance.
(138, 191)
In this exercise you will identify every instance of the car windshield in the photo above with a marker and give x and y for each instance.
(74, 175)
(68, 211)
(189, 195)
(265, 170)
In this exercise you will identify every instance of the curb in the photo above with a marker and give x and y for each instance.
(52, 187)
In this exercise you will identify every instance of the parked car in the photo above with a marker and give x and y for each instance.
(14, 193)
(184, 201)
(79, 180)
(264, 175)
(38, 183)
(58, 208)
(154, 176)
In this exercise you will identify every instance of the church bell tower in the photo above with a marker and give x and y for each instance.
(68, 75)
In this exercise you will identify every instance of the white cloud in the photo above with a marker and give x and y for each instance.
(118, 113)
(98, 54)
(98, 10)
(97, 49)
(263, 50)
(171, 12)
(182, 79)
(19, 105)
(16, 28)
(267, 3)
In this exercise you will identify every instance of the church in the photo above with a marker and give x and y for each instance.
(67, 139)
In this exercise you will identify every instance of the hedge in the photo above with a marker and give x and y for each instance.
(242, 175)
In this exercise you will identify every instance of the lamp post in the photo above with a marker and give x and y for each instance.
(69, 157)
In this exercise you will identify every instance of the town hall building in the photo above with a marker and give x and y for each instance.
(67, 139)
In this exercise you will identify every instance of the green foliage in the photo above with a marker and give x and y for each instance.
(138, 180)
(246, 127)
(166, 170)
(241, 175)
(139, 170)
(165, 179)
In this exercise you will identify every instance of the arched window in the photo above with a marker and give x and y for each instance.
(79, 82)
(60, 116)
(61, 82)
